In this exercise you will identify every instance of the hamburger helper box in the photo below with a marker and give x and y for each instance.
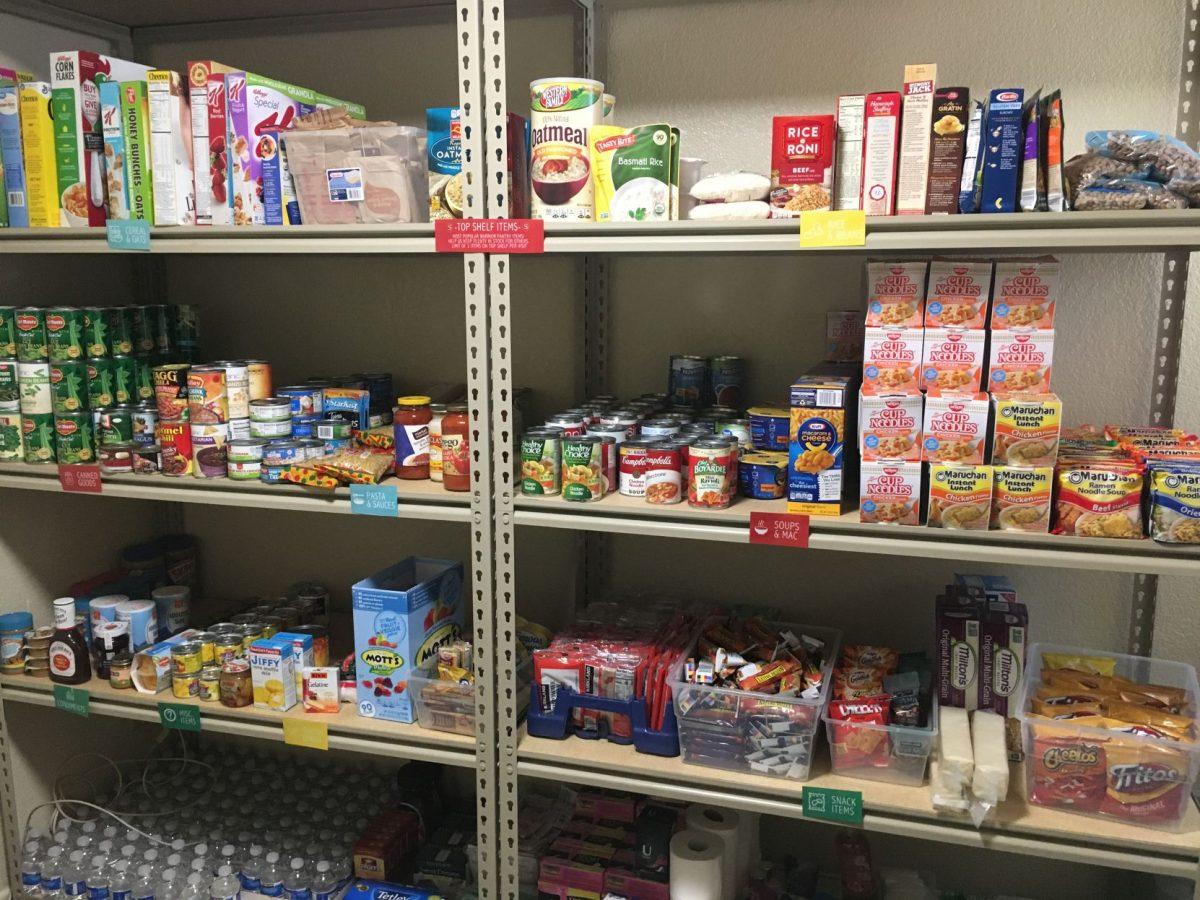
(79, 141)
(402, 615)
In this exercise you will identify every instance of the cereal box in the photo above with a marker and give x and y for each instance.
(960, 497)
(890, 426)
(891, 493)
(958, 295)
(112, 125)
(816, 438)
(273, 674)
(955, 428)
(848, 179)
(135, 109)
(1021, 362)
(78, 141)
(1099, 500)
(12, 166)
(1026, 292)
(402, 616)
(1025, 429)
(896, 294)
(802, 164)
(210, 161)
(917, 123)
(37, 143)
(892, 359)
(881, 136)
(171, 149)
(843, 335)
(444, 157)
(1021, 498)
(952, 359)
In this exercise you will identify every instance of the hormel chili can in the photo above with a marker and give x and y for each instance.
(175, 441)
(664, 481)
(631, 473)
(712, 473)
(608, 461)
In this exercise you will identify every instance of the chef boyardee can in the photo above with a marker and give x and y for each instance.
(114, 425)
(143, 330)
(124, 378)
(8, 331)
(120, 328)
(145, 421)
(10, 395)
(12, 444)
(95, 331)
(38, 433)
(33, 381)
(143, 377)
(68, 386)
(101, 377)
(73, 438)
(31, 334)
(64, 333)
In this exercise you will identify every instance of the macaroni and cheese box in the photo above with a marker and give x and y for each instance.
(135, 109)
(112, 125)
(1025, 430)
(816, 439)
(892, 359)
(955, 428)
(1021, 362)
(1021, 498)
(896, 294)
(37, 144)
(890, 426)
(402, 616)
(210, 161)
(78, 140)
(171, 149)
(12, 166)
(960, 497)
(1026, 293)
(890, 493)
(952, 359)
(959, 291)
(273, 674)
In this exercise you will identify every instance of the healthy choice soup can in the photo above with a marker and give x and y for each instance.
(561, 112)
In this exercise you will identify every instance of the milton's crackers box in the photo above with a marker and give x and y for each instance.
(402, 616)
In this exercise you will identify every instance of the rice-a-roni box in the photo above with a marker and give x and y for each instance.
(402, 615)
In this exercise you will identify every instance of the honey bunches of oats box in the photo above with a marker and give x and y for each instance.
(12, 445)
(37, 431)
(73, 443)
(68, 386)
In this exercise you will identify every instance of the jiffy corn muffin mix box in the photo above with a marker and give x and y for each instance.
(273, 674)
(401, 616)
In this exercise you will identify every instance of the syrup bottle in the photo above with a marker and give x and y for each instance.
(69, 659)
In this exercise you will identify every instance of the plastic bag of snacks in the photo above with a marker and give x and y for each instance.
(1168, 159)
(1127, 192)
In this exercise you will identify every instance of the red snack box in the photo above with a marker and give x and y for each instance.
(802, 164)
(881, 137)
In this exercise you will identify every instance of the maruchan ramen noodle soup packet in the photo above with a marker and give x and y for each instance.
(952, 359)
(890, 426)
(1021, 498)
(960, 497)
(896, 294)
(959, 292)
(955, 428)
(1025, 430)
(1021, 362)
(891, 493)
(1025, 293)
(892, 359)
(1175, 502)
(1099, 500)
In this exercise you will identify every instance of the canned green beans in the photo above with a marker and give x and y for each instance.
(64, 333)
(143, 330)
(124, 378)
(143, 377)
(120, 328)
(73, 438)
(102, 388)
(12, 444)
(33, 380)
(10, 394)
(31, 334)
(8, 331)
(68, 386)
(37, 431)
(95, 331)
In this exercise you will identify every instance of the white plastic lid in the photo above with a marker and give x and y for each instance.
(273, 856)
(225, 870)
(55, 851)
(297, 863)
(227, 850)
(256, 850)
(201, 849)
(195, 878)
(144, 870)
(150, 855)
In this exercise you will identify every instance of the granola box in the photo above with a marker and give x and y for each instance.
(953, 358)
(955, 428)
(1026, 293)
(890, 493)
(1021, 498)
(171, 149)
(78, 140)
(892, 359)
(959, 293)
(802, 164)
(37, 150)
(1025, 430)
(948, 139)
(818, 423)
(912, 180)
(210, 159)
(1021, 362)
(896, 293)
(960, 497)
(881, 137)
(890, 426)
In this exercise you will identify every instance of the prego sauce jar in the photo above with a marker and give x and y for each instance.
(456, 448)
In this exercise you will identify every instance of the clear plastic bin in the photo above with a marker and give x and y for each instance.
(1134, 778)
(895, 753)
(449, 706)
(744, 731)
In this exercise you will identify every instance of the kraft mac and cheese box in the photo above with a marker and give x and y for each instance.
(112, 124)
(402, 616)
(37, 144)
(206, 96)
(1003, 143)
(818, 425)
(171, 149)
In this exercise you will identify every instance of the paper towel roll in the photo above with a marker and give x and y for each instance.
(725, 825)
(747, 860)
(696, 865)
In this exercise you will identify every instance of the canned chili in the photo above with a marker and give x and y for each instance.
(175, 443)
(171, 392)
(663, 477)
(712, 473)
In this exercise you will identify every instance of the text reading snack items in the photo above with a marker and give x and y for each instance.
(952, 359)
(896, 294)
(1021, 498)
(802, 164)
(892, 359)
(960, 497)
(1099, 500)
(891, 493)
(1026, 293)
(1021, 362)
(1025, 430)
(958, 295)
(955, 427)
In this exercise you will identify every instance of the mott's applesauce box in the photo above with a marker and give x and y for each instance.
(816, 440)
(402, 616)
(78, 138)
(273, 674)
(37, 144)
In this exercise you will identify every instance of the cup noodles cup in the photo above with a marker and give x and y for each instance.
(1026, 292)
(955, 428)
(802, 164)
(890, 493)
(1021, 498)
(1021, 362)
(958, 294)
(892, 359)
(960, 497)
(952, 359)
(881, 136)
(890, 426)
(843, 335)
(1025, 430)
(896, 294)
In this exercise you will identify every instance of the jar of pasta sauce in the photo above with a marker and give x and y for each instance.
(712, 473)
(411, 420)
(456, 448)
(438, 412)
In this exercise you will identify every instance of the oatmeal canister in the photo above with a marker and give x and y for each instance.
(562, 110)
(582, 468)
(712, 473)
(541, 461)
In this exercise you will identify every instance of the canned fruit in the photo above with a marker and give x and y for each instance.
(68, 386)
(185, 687)
(95, 331)
(712, 473)
(30, 325)
(102, 387)
(541, 462)
(73, 442)
(64, 333)
(171, 392)
(187, 658)
(582, 468)
(37, 431)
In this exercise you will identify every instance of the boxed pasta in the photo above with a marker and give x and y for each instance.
(959, 293)
(848, 179)
(896, 293)
(912, 180)
(960, 497)
(802, 164)
(890, 425)
(1025, 429)
(171, 149)
(1021, 498)
(952, 358)
(892, 359)
(890, 493)
(1021, 362)
(816, 438)
(955, 427)
(881, 136)
(1026, 293)
(1003, 144)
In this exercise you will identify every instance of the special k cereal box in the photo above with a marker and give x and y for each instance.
(952, 359)
(960, 497)
(896, 294)
(1021, 362)
(955, 428)
(1025, 429)
(206, 95)
(892, 359)
(890, 426)
(958, 295)
(1021, 498)
(890, 493)
(1025, 293)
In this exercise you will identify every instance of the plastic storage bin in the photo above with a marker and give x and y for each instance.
(449, 706)
(1129, 776)
(895, 753)
(765, 734)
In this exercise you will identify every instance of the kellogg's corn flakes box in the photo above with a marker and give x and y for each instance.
(402, 615)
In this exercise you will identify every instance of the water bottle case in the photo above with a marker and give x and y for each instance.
(558, 723)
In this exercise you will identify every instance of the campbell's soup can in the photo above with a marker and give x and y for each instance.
(561, 112)
(664, 480)
(631, 470)
(712, 473)
(626, 418)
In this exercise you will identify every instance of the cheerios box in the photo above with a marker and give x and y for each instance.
(402, 615)
(821, 417)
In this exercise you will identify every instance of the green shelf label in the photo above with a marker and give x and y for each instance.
(179, 716)
(73, 700)
(128, 234)
(833, 805)
(374, 500)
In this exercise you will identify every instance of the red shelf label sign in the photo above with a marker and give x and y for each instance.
(80, 479)
(490, 235)
(778, 529)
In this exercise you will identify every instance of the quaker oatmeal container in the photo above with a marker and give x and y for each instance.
(562, 110)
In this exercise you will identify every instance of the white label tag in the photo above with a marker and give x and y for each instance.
(345, 185)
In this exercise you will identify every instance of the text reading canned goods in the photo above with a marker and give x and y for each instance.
(80, 479)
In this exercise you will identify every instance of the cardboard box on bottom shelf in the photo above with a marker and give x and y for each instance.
(820, 419)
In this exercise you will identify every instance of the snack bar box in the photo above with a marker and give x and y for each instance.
(402, 615)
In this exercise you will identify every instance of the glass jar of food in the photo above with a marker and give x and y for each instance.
(437, 412)
(210, 683)
(411, 420)
(120, 671)
(456, 448)
(234, 685)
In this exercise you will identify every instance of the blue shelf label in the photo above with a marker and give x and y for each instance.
(128, 234)
(374, 500)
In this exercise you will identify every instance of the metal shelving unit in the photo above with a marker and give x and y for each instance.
(228, 239)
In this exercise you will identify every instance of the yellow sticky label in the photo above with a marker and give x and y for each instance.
(305, 733)
(833, 228)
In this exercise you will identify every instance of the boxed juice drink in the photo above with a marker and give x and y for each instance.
(12, 165)
(881, 136)
(112, 124)
(37, 142)
(171, 149)
(896, 293)
(1021, 362)
(135, 110)
(1025, 430)
(952, 359)
(956, 427)
(890, 425)
(78, 141)
(401, 616)
(816, 438)
(890, 493)
(848, 178)
(210, 161)
(1026, 293)
(892, 359)
(273, 674)
(960, 497)
(958, 294)
(912, 182)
